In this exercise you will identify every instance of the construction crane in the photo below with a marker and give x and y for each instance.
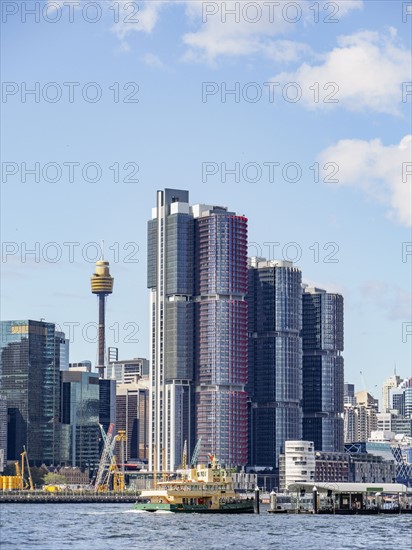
(114, 471)
(20, 471)
(184, 460)
(108, 464)
(195, 454)
(25, 457)
(105, 458)
(20, 483)
(118, 477)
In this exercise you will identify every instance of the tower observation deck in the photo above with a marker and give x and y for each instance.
(102, 286)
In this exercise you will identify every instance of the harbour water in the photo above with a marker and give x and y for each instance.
(117, 526)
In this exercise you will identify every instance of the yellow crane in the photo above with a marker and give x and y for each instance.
(19, 476)
(184, 460)
(20, 471)
(25, 458)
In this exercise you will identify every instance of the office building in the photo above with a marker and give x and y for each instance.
(132, 416)
(3, 432)
(322, 341)
(360, 420)
(107, 402)
(349, 394)
(30, 382)
(198, 363)
(128, 370)
(365, 399)
(170, 280)
(64, 345)
(391, 383)
(275, 359)
(80, 433)
(221, 360)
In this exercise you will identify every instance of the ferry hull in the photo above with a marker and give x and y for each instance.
(228, 508)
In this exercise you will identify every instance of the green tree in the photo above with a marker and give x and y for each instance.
(54, 479)
(38, 475)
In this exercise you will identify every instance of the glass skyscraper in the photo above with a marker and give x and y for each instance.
(80, 418)
(198, 364)
(221, 334)
(170, 280)
(323, 381)
(275, 359)
(30, 382)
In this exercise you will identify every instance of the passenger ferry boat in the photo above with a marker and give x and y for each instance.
(206, 489)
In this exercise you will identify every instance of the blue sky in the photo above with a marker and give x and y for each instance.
(162, 54)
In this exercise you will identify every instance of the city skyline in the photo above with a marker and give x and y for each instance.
(185, 131)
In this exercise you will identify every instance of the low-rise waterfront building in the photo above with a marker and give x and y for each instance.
(297, 463)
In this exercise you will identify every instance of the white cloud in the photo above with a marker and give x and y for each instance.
(217, 34)
(368, 68)
(152, 60)
(255, 28)
(395, 301)
(382, 172)
(144, 20)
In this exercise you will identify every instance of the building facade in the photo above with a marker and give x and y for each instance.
(170, 280)
(322, 341)
(349, 394)
(107, 402)
(391, 383)
(30, 382)
(198, 360)
(220, 357)
(127, 371)
(275, 359)
(296, 463)
(359, 423)
(132, 416)
(3, 432)
(80, 433)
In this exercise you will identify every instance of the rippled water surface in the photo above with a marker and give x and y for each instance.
(117, 526)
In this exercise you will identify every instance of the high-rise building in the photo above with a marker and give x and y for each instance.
(80, 433)
(30, 381)
(3, 432)
(221, 334)
(198, 363)
(275, 359)
(349, 394)
(107, 402)
(132, 416)
(64, 344)
(364, 399)
(391, 383)
(359, 423)
(129, 370)
(170, 280)
(322, 341)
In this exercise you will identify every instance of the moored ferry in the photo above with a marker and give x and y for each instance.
(204, 489)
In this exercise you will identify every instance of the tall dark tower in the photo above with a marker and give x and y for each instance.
(102, 285)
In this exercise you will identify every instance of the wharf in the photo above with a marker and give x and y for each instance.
(64, 498)
(345, 512)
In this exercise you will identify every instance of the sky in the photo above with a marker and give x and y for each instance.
(295, 114)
